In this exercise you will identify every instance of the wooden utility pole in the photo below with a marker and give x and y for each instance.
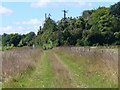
(49, 15)
(45, 16)
(40, 28)
(65, 13)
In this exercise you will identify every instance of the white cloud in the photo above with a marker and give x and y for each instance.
(60, 0)
(5, 11)
(31, 22)
(19, 29)
(78, 4)
(23, 27)
(10, 29)
(75, 3)
(40, 3)
(84, 4)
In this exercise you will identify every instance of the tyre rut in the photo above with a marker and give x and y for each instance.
(62, 74)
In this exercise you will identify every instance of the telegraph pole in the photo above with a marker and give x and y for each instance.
(45, 16)
(64, 11)
(49, 15)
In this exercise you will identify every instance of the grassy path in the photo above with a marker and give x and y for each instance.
(59, 70)
(50, 72)
(84, 73)
(62, 75)
(75, 70)
(43, 76)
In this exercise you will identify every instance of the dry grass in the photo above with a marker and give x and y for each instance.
(0, 68)
(61, 72)
(93, 61)
(105, 59)
(67, 67)
(18, 60)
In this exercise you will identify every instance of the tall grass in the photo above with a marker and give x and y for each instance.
(92, 69)
(0, 47)
(0, 69)
(18, 60)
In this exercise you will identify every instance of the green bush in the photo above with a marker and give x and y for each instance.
(8, 47)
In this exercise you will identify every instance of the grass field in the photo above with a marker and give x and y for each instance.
(0, 47)
(19, 61)
(61, 69)
(0, 69)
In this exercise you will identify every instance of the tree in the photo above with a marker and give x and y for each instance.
(86, 14)
(117, 37)
(115, 9)
(94, 27)
(5, 39)
(46, 33)
(80, 23)
(15, 39)
(27, 40)
(95, 17)
(105, 22)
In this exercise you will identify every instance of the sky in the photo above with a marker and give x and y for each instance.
(20, 16)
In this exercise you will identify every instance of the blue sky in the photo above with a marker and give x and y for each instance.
(23, 17)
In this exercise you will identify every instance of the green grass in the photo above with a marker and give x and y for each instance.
(84, 73)
(0, 47)
(43, 76)
(18, 82)
(40, 77)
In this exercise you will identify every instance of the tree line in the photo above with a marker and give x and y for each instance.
(17, 40)
(98, 27)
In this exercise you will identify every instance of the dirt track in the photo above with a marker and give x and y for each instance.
(60, 71)
(51, 68)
